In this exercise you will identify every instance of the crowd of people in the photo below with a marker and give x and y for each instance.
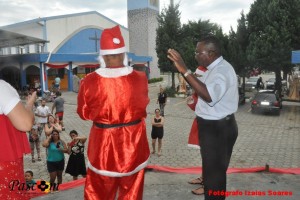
(46, 130)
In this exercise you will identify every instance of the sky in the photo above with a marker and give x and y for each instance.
(222, 12)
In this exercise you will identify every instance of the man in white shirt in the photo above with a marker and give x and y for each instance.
(217, 103)
(42, 112)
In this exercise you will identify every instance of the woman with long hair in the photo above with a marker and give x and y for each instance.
(53, 124)
(55, 156)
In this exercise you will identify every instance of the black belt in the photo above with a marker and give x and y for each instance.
(99, 125)
(228, 117)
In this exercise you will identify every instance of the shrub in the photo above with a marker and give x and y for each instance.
(154, 80)
(170, 92)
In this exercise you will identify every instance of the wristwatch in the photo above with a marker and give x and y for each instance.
(188, 72)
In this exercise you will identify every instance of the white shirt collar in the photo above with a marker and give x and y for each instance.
(213, 64)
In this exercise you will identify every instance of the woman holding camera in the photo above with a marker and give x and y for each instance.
(55, 157)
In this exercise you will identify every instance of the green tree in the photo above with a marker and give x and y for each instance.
(237, 46)
(191, 33)
(168, 36)
(274, 32)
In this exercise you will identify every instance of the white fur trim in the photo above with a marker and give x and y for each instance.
(116, 40)
(114, 72)
(117, 174)
(112, 51)
(194, 146)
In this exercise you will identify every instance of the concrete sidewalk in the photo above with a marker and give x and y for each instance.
(165, 186)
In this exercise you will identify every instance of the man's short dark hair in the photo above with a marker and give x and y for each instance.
(214, 42)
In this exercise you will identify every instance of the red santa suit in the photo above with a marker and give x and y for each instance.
(13, 144)
(193, 140)
(115, 99)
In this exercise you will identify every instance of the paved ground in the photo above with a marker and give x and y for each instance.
(263, 139)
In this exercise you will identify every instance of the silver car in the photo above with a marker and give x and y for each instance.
(251, 83)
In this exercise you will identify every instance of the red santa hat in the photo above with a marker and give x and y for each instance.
(112, 42)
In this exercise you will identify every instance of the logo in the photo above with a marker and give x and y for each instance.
(43, 186)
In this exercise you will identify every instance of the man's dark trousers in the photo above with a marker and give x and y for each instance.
(217, 138)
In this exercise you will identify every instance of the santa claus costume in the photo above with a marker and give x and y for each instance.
(193, 140)
(115, 99)
(13, 144)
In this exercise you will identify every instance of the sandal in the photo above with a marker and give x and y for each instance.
(197, 181)
(198, 191)
(153, 152)
(159, 154)
(39, 159)
(33, 160)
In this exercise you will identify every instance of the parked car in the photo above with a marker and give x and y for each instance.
(270, 83)
(251, 83)
(266, 101)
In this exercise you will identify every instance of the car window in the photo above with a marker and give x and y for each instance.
(265, 97)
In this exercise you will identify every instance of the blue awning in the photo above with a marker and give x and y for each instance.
(66, 58)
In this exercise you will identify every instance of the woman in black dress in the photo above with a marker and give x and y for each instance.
(157, 131)
(76, 163)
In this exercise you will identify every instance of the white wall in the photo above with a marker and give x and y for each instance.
(61, 29)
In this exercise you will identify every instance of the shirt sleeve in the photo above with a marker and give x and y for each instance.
(9, 97)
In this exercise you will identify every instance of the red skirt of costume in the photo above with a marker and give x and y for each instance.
(193, 140)
(13, 145)
(122, 151)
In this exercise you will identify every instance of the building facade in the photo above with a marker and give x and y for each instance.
(142, 24)
(72, 47)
